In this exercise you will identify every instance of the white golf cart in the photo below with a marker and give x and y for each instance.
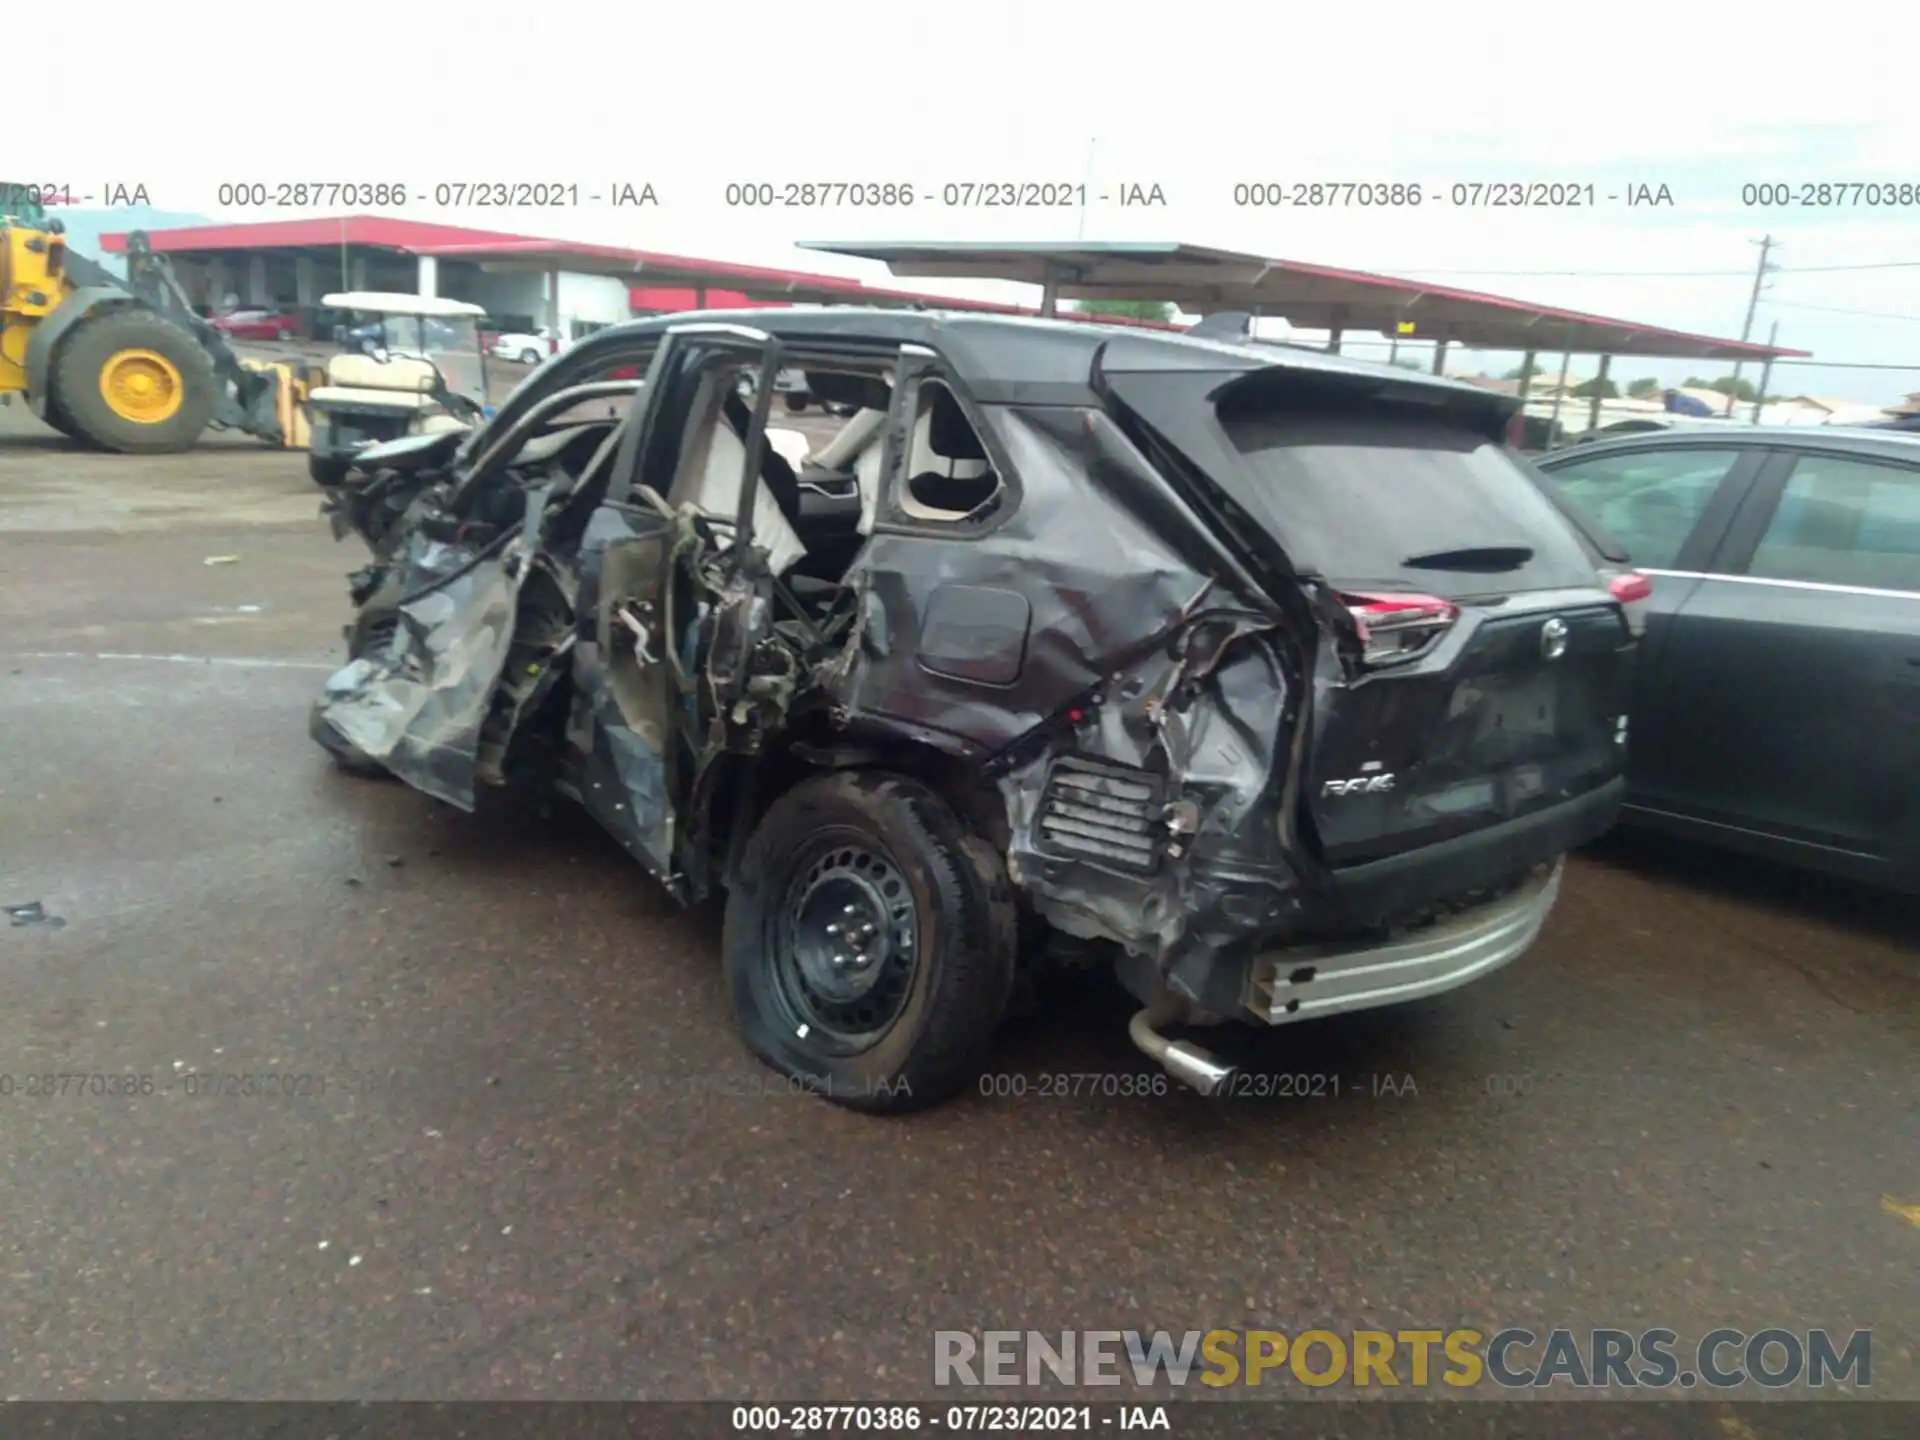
(416, 369)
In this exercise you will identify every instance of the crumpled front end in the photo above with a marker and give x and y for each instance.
(415, 695)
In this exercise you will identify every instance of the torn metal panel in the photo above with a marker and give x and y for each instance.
(1177, 854)
(416, 703)
(973, 641)
(622, 721)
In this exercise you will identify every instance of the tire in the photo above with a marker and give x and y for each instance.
(84, 358)
(939, 988)
(795, 403)
(57, 418)
(529, 357)
(283, 335)
(327, 473)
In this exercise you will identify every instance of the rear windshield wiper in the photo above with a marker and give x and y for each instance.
(1473, 557)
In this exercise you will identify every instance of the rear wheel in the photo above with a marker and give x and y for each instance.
(131, 381)
(870, 942)
(529, 357)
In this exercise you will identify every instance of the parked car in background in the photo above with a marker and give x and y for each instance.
(1776, 701)
(1649, 425)
(257, 325)
(796, 393)
(1268, 681)
(529, 347)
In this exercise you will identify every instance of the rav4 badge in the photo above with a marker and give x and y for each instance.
(1359, 785)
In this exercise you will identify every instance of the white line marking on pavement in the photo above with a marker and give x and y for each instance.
(240, 661)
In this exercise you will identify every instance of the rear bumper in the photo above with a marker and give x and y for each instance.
(1384, 891)
(1309, 982)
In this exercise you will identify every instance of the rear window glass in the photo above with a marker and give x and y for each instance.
(1405, 501)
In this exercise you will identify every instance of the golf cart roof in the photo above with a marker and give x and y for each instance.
(381, 302)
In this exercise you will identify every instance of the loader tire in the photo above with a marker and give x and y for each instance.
(130, 381)
(57, 418)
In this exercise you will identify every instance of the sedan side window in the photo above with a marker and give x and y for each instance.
(1844, 522)
(1650, 500)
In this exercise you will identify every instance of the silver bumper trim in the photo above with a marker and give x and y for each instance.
(1336, 978)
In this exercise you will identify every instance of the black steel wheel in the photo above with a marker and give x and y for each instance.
(870, 941)
(846, 943)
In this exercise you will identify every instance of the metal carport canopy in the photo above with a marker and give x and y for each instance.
(1202, 281)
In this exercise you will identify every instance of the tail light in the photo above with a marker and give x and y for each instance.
(1395, 628)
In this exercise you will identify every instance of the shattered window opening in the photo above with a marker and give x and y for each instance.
(948, 478)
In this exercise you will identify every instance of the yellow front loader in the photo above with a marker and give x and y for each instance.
(125, 365)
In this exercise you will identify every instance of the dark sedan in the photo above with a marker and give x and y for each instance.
(1776, 702)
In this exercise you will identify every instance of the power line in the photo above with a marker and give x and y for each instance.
(1835, 269)
(1357, 342)
(1846, 365)
(1420, 271)
(1838, 310)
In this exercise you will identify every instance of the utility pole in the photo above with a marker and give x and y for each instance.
(1753, 303)
(1766, 372)
(1093, 144)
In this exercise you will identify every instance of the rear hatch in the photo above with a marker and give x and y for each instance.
(1485, 665)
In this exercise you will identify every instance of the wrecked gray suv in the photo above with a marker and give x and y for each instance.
(1270, 679)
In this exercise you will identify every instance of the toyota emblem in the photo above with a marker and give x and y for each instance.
(1553, 638)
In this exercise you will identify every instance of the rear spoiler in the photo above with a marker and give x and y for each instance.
(1483, 412)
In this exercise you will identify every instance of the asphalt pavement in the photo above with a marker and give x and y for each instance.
(514, 1149)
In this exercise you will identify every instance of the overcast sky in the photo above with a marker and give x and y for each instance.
(1193, 97)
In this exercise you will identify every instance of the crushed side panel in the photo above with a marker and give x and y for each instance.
(415, 702)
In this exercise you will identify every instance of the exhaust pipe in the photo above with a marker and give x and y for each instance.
(1188, 1063)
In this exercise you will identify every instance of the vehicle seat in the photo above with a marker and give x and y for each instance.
(363, 372)
(716, 493)
(793, 446)
(948, 468)
(858, 449)
(776, 471)
(402, 382)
